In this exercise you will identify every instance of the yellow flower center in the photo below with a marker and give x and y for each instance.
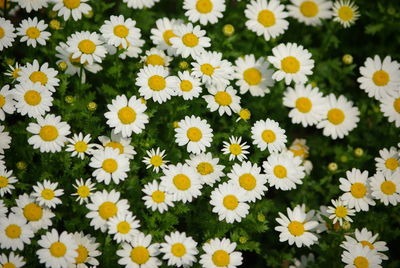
(190, 40)
(303, 104)
(396, 105)
(300, 151)
(32, 32)
(280, 171)
(223, 98)
(2, 32)
(365, 243)
(32, 97)
(158, 196)
(82, 254)
(207, 69)
(345, 13)
(178, 250)
(38, 76)
(247, 181)
(140, 255)
(155, 59)
(156, 82)
(123, 227)
(194, 134)
(361, 262)
(127, 115)
(182, 182)
(48, 133)
(204, 6)
(266, 18)
(341, 211)
(107, 210)
(290, 65)
(156, 160)
(230, 202)
(72, 4)
(309, 9)
(205, 168)
(83, 191)
(33, 212)
(47, 194)
(167, 35)
(336, 116)
(13, 231)
(116, 145)
(388, 187)
(245, 114)
(15, 73)
(268, 136)
(221, 258)
(381, 78)
(186, 85)
(110, 165)
(58, 249)
(252, 76)
(296, 228)
(121, 31)
(80, 146)
(87, 46)
(392, 163)
(3, 181)
(235, 149)
(8, 265)
(358, 190)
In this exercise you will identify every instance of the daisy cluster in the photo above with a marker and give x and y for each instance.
(178, 67)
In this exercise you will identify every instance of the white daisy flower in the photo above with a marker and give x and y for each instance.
(126, 116)
(13, 72)
(267, 134)
(84, 190)
(293, 62)
(345, 12)
(46, 193)
(284, 170)
(340, 212)
(253, 75)
(190, 40)
(155, 159)
(229, 202)
(123, 227)
(33, 32)
(386, 188)
(80, 145)
(187, 86)
(390, 107)
(32, 99)
(139, 253)
(366, 239)
(340, 118)
(156, 56)
(299, 148)
(296, 227)
(220, 253)
(6, 180)
(156, 198)
(388, 161)
(57, 250)
(5, 139)
(212, 69)
(30, 5)
(308, 104)
(155, 83)
(162, 34)
(39, 73)
(305, 261)
(87, 250)
(140, 4)
(359, 256)
(38, 217)
(12, 260)
(207, 167)
(223, 99)
(179, 249)
(109, 165)
(379, 78)
(74, 8)
(116, 141)
(49, 133)
(103, 206)
(235, 148)
(182, 181)
(3, 209)
(7, 35)
(194, 132)
(310, 12)
(86, 46)
(266, 18)
(204, 11)
(356, 190)
(14, 232)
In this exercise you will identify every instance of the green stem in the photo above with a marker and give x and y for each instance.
(80, 77)
(5, 11)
